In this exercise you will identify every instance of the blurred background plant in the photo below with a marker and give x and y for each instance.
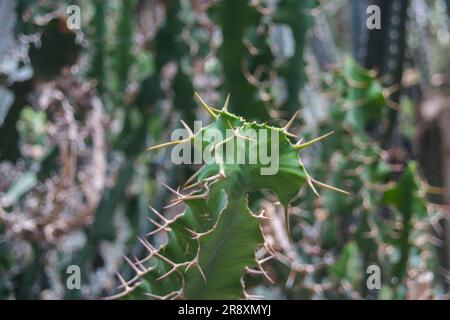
(79, 107)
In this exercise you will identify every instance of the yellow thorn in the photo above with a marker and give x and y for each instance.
(307, 144)
(194, 176)
(187, 128)
(215, 109)
(310, 183)
(290, 134)
(291, 121)
(205, 106)
(225, 106)
(167, 144)
(326, 186)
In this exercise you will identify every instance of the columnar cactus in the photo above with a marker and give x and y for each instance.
(217, 239)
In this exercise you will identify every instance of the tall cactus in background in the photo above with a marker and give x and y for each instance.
(235, 18)
(298, 15)
(373, 177)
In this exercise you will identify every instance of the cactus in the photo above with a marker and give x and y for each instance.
(359, 166)
(235, 18)
(298, 16)
(215, 240)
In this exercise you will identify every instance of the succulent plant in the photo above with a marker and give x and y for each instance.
(217, 239)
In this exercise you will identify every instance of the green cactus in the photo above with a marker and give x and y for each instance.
(235, 18)
(298, 16)
(359, 166)
(213, 242)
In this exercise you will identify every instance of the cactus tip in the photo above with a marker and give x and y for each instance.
(205, 106)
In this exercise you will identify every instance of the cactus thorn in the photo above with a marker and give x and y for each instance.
(167, 144)
(172, 190)
(141, 266)
(191, 134)
(264, 260)
(168, 273)
(160, 228)
(201, 272)
(122, 281)
(133, 266)
(173, 204)
(311, 185)
(265, 274)
(311, 142)
(167, 222)
(197, 264)
(194, 176)
(289, 125)
(184, 197)
(225, 106)
(291, 121)
(205, 106)
(197, 235)
(326, 186)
